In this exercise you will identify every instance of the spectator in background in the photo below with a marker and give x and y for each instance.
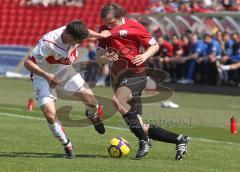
(185, 7)
(214, 53)
(166, 48)
(186, 45)
(219, 38)
(47, 3)
(227, 47)
(161, 58)
(178, 54)
(186, 52)
(165, 52)
(234, 75)
(231, 5)
(177, 45)
(188, 6)
(182, 52)
(235, 57)
(157, 7)
(60, 2)
(78, 3)
(171, 6)
(197, 50)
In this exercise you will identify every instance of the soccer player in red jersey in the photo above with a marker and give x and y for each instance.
(129, 78)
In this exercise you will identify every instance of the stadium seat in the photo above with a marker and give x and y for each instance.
(38, 20)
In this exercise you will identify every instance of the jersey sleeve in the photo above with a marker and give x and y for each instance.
(213, 48)
(198, 50)
(102, 42)
(41, 52)
(144, 37)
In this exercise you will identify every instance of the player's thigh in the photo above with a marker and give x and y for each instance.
(123, 94)
(49, 111)
(86, 96)
(78, 87)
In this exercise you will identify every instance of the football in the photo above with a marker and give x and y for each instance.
(119, 148)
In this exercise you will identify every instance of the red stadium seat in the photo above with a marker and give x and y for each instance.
(25, 24)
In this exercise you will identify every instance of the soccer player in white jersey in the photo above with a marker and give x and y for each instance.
(55, 52)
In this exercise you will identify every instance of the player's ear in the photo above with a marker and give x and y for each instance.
(70, 37)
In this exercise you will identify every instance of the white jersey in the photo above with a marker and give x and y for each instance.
(51, 54)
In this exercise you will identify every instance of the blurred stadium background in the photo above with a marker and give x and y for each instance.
(173, 24)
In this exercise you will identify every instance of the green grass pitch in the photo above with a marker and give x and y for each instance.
(27, 145)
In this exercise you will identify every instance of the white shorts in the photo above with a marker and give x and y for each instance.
(45, 94)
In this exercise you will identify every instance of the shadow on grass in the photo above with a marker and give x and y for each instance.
(45, 155)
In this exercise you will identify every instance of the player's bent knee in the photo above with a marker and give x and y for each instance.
(51, 119)
(49, 113)
(87, 97)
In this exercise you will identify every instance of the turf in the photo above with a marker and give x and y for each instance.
(27, 145)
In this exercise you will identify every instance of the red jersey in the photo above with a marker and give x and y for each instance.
(126, 41)
(177, 47)
(186, 48)
(166, 49)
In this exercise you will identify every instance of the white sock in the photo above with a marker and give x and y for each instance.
(58, 132)
(225, 67)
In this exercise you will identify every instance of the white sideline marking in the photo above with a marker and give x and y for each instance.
(21, 116)
(11, 108)
(116, 128)
(215, 141)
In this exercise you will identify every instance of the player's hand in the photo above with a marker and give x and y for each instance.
(167, 59)
(52, 80)
(224, 59)
(111, 56)
(139, 59)
(182, 60)
(105, 34)
(212, 59)
(199, 60)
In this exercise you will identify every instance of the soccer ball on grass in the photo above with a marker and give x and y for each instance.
(119, 148)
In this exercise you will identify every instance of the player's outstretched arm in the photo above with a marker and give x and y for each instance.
(101, 35)
(141, 58)
(235, 66)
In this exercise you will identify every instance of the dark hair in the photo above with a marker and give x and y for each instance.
(175, 36)
(225, 33)
(77, 29)
(116, 10)
(207, 36)
(185, 35)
